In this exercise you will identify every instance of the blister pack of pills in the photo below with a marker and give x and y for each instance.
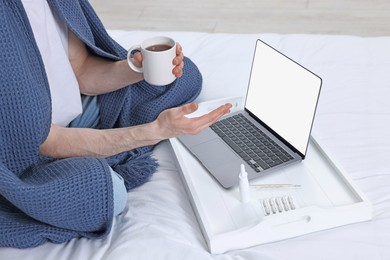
(275, 205)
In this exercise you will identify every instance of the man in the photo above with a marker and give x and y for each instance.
(60, 178)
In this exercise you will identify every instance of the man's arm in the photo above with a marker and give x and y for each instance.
(65, 142)
(97, 75)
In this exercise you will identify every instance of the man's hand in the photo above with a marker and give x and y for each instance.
(178, 61)
(173, 122)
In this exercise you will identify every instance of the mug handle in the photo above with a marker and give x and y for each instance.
(130, 58)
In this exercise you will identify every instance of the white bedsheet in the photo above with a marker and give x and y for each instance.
(353, 122)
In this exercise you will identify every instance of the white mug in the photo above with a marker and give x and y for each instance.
(157, 64)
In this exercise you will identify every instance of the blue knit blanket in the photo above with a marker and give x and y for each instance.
(43, 199)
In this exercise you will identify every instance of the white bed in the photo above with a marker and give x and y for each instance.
(352, 122)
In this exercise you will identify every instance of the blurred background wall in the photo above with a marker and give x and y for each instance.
(352, 17)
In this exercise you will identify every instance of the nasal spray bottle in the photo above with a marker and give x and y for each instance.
(244, 185)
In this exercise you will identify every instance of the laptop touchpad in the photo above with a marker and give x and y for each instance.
(214, 153)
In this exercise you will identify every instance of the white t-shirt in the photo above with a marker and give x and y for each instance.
(51, 35)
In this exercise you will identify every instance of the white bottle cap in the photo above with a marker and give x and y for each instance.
(244, 185)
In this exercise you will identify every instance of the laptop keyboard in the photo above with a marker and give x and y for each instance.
(250, 143)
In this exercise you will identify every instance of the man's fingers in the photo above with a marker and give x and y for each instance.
(178, 60)
(138, 59)
(179, 49)
(210, 118)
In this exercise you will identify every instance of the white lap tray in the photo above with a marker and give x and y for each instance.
(327, 199)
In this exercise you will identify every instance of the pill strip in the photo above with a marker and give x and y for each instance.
(276, 205)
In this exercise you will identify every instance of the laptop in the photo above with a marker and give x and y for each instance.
(273, 129)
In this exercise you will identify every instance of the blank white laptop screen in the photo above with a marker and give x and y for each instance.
(283, 95)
